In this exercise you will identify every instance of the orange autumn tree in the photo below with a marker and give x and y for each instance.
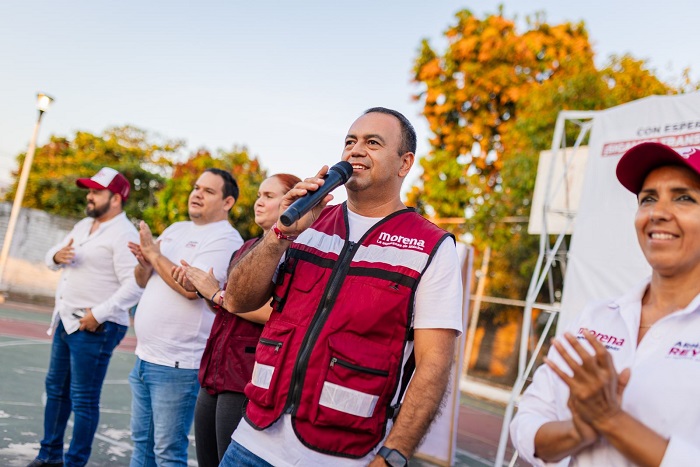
(491, 99)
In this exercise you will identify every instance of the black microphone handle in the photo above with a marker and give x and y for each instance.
(336, 176)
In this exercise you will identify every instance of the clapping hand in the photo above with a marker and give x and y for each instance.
(150, 248)
(192, 278)
(595, 386)
(178, 273)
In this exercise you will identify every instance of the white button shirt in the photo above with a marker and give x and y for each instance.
(100, 277)
(662, 391)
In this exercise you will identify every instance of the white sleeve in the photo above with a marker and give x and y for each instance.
(216, 254)
(128, 293)
(545, 400)
(439, 294)
(538, 405)
(680, 453)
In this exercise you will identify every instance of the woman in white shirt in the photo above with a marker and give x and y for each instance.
(621, 387)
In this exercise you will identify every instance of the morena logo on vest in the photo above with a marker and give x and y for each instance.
(386, 239)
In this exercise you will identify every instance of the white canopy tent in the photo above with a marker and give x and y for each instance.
(604, 259)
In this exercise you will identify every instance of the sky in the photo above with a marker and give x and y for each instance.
(285, 79)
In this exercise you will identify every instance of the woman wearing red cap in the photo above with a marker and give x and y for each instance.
(621, 387)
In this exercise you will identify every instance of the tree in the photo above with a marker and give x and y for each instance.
(491, 100)
(51, 186)
(160, 187)
(172, 199)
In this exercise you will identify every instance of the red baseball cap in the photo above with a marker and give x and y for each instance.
(107, 179)
(637, 162)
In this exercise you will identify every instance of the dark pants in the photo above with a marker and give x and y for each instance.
(215, 419)
(74, 383)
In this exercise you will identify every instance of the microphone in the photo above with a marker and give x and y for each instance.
(336, 176)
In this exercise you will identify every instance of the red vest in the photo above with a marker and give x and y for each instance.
(229, 356)
(333, 351)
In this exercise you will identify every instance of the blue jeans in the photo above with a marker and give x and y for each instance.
(162, 409)
(238, 456)
(74, 383)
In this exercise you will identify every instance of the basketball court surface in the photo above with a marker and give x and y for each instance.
(24, 358)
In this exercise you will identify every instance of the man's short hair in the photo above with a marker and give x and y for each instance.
(408, 134)
(230, 185)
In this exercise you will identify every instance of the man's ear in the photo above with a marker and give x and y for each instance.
(407, 160)
(229, 202)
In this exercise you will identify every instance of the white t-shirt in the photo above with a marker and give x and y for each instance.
(170, 329)
(662, 391)
(438, 305)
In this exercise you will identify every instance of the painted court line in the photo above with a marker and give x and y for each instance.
(23, 342)
(21, 404)
(113, 442)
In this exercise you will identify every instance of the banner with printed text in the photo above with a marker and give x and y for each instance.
(605, 259)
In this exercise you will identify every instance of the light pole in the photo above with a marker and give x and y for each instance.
(43, 101)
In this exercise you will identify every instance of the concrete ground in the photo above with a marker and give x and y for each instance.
(24, 356)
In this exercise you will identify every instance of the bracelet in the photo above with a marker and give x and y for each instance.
(214, 296)
(221, 298)
(196, 292)
(282, 236)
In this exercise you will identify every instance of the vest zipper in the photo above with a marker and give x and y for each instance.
(319, 319)
(276, 344)
(361, 369)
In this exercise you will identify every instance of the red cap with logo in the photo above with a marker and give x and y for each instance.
(107, 179)
(637, 162)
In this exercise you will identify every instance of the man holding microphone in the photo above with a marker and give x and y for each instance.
(365, 300)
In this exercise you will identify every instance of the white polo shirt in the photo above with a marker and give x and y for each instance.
(662, 392)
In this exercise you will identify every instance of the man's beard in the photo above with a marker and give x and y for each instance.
(97, 211)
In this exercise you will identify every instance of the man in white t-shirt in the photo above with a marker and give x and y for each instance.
(368, 298)
(172, 324)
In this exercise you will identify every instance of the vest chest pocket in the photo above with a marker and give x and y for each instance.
(269, 355)
(297, 279)
(372, 303)
(352, 391)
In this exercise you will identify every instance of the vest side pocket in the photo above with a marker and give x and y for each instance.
(239, 358)
(269, 355)
(353, 388)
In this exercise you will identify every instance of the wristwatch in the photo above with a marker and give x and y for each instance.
(392, 457)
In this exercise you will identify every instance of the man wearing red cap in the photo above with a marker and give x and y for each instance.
(90, 318)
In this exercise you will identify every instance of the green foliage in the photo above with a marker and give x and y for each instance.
(51, 186)
(172, 199)
(629, 79)
(159, 187)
